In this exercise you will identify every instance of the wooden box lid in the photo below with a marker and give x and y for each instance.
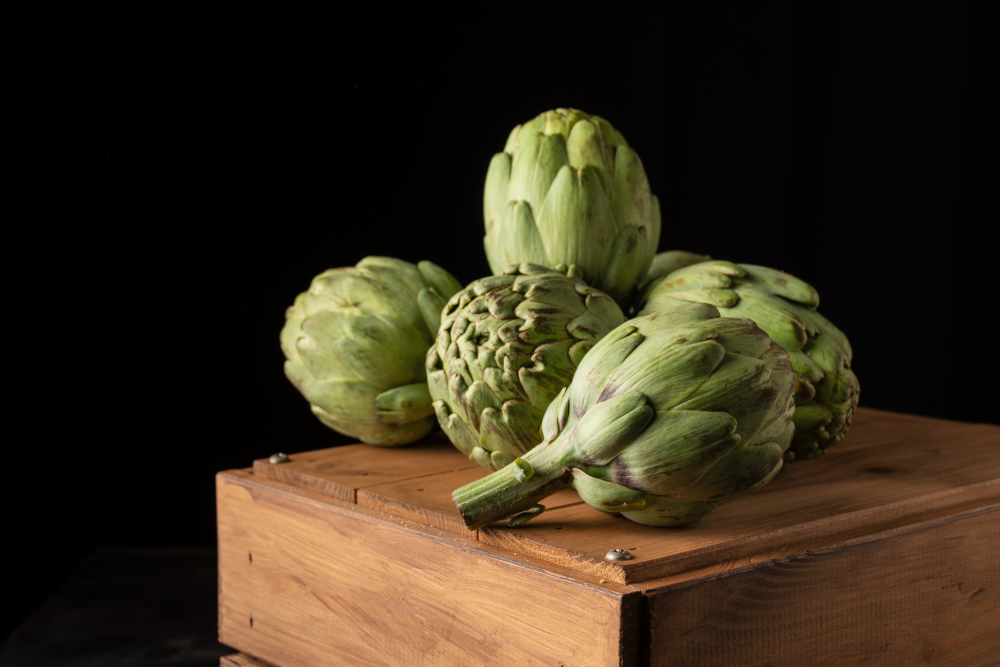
(892, 469)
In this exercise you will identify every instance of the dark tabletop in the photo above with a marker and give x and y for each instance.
(126, 606)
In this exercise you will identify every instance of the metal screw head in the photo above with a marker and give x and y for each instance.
(618, 554)
(280, 457)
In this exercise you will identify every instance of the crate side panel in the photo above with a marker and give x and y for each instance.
(302, 584)
(930, 595)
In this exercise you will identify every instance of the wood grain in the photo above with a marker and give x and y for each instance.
(921, 595)
(340, 471)
(428, 500)
(307, 580)
(913, 466)
(242, 660)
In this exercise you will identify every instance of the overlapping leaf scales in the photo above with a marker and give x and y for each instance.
(736, 474)
(676, 450)
(669, 372)
(782, 284)
(779, 318)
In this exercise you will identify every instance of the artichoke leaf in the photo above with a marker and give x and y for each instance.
(698, 440)
(628, 256)
(610, 426)
(595, 370)
(517, 239)
(667, 262)
(431, 304)
(667, 379)
(404, 404)
(495, 199)
(439, 279)
(514, 429)
(455, 428)
(783, 284)
(736, 474)
(779, 318)
(552, 157)
(541, 380)
(575, 222)
(607, 496)
(586, 146)
(523, 164)
(668, 512)
(555, 416)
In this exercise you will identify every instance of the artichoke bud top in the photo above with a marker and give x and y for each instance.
(568, 190)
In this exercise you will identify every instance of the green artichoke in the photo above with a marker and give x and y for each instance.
(668, 417)
(568, 191)
(784, 307)
(355, 345)
(506, 347)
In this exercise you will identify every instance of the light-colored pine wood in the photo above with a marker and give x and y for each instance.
(309, 580)
(242, 660)
(338, 472)
(910, 466)
(928, 594)
(428, 500)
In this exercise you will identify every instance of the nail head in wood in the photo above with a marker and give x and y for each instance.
(280, 457)
(618, 554)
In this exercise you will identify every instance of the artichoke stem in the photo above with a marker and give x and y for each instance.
(509, 491)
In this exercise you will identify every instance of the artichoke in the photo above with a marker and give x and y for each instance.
(355, 345)
(568, 191)
(784, 307)
(506, 347)
(668, 417)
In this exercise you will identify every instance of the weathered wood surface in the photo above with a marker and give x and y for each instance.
(339, 472)
(309, 580)
(927, 594)
(891, 467)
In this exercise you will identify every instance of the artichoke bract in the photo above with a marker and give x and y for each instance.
(355, 344)
(506, 347)
(568, 191)
(784, 307)
(668, 417)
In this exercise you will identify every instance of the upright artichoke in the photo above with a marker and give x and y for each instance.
(567, 190)
(355, 345)
(784, 307)
(668, 417)
(506, 347)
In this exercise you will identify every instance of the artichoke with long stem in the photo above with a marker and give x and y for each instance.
(785, 307)
(355, 344)
(668, 417)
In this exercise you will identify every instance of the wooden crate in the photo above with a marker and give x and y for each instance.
(884, 552)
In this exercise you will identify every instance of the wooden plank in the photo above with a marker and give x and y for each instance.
(242, 660)
(338, 472)
(918, 465)
(428, 500)
(307, 580)
(873, 427)
(928, 594)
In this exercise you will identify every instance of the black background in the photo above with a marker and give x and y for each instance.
(185, 189)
